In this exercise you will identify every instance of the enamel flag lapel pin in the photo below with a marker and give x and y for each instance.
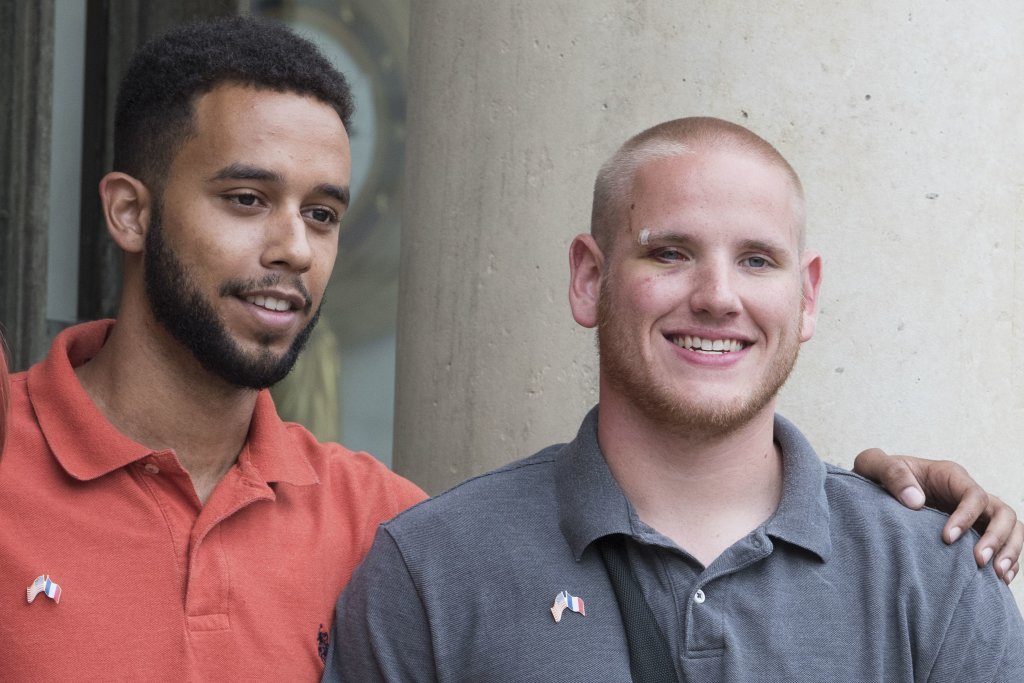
(44, 585)
(564, 601)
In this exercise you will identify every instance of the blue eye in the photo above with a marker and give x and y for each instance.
(669, 255)
(757, 261)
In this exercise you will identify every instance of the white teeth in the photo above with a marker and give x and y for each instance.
(708, 345)
(269, 302)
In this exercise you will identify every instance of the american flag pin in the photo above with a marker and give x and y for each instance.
(44, 585)
(564, 601)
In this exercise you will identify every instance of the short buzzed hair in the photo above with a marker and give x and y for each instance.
(613, 188)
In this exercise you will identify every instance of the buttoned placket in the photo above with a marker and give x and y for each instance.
(703, 632)
(194, 531)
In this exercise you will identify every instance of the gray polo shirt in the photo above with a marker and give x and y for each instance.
(841, 584)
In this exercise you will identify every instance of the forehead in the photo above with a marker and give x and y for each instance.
(716, 193)
(274, 130)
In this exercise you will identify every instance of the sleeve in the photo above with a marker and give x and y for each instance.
(381, 631)
(985, 638)
(405, 494)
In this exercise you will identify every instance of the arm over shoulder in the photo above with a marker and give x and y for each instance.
(381, 632)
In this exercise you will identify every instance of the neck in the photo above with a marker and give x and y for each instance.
(154, 391)
(703, 491)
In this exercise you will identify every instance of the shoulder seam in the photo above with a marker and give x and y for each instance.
(972, 578)
(527, 462)
(833, 470)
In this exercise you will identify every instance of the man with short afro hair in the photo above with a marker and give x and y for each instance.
(158, 520)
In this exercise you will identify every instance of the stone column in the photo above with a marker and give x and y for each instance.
(904, 120)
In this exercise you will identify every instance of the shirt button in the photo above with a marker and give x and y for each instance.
(151, 468)
(698, 597)
(757, 542)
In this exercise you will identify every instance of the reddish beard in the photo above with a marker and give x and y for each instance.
(632, 376)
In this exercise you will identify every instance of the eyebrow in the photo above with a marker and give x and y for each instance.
(240, 171)
(675, 237)
(338, 192)
(667, 236)
(761, 245)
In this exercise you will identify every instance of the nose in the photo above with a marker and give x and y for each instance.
(287, 243)
(714, 292)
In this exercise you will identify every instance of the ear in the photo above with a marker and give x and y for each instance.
(127, 206)
(810, 275)
(586, 263)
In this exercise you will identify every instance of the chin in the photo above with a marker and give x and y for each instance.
(693, 412)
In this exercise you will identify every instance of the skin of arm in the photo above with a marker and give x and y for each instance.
(947, 486)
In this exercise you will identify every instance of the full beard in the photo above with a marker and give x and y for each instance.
(631, 376)
(179, 306)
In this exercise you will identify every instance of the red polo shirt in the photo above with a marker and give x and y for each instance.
(153, 584)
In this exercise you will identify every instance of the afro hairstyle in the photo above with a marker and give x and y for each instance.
(154, 112)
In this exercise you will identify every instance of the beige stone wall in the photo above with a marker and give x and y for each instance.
(904, 119)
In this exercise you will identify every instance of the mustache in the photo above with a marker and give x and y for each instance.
(237, 287)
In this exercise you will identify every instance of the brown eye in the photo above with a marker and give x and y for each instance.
(246, 199)
(322, 214)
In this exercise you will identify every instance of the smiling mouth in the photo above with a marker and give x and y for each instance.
(712, 346)
(270, 303)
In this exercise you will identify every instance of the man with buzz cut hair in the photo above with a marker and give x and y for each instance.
(162, 519)
(688, 532)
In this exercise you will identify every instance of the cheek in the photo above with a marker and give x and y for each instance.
(325, 253)
(223, 258)
(775, 307)
(208, 233)
(656, 294)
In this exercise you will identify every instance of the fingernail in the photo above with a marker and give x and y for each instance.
(986, 555)
(912, 497)
(1009, 577)
(954, 534)
(1004, 565)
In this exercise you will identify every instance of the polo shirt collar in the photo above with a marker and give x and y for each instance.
(591, 504)
(269, 447)
(802, 517)
(88, 446)
(84, 442)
